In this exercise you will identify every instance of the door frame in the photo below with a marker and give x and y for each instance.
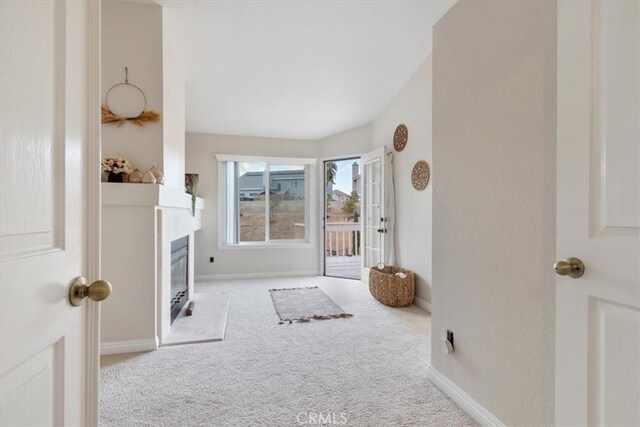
(323, 209)
(321, 206)
(93, 154)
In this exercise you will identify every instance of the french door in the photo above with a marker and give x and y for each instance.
(375, 221)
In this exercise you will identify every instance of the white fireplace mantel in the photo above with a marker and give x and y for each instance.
(139, 222)
(147, 195)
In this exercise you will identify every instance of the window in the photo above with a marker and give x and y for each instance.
(265, 202)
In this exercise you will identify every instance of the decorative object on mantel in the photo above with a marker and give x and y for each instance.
(190, 186)
(116, 167)
(108, 116)
(420, 175)
(136, 176)
(400, 137)
(157, 173)
(148, 177)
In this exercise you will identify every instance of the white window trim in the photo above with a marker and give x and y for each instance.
(225, 235)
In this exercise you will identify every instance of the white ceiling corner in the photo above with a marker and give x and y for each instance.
(299, 69)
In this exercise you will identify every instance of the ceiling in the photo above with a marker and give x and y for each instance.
(299, 69)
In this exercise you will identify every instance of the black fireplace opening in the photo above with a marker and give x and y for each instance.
(179, 275)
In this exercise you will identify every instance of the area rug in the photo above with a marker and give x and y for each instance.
(304, 304)
(208, 322)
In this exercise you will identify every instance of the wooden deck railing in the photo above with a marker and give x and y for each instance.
(342, 239)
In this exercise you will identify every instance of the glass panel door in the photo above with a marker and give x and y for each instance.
(374, 210)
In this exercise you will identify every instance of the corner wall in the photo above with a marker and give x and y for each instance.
(494, 129)
(412, 106)
(201, 159)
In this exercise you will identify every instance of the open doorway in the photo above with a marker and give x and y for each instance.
(342, 225)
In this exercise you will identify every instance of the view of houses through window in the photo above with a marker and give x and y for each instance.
(278, 213)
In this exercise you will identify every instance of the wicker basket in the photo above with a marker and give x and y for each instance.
(390, 289)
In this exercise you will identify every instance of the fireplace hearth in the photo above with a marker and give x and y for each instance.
(179, 275)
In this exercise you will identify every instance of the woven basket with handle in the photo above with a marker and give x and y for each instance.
(390, 289)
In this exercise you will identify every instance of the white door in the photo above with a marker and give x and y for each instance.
(598, 214)
(49, 72)
(374, 213)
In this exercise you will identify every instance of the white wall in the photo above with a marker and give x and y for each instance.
(128, 262)
(132, 37)
(494, 79)
(173, 99)
(356, 141)
(201, 158)
(412, 106)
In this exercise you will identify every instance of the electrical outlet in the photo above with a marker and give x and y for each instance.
(450, 336)
(447, 343)
(211, 259)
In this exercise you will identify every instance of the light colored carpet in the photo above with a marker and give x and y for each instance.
(370, 368)
(304, 304)
(208, 322)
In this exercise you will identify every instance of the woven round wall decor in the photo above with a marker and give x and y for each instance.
(420, 175)
(400, 137)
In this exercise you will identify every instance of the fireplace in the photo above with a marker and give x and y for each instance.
(179, 275)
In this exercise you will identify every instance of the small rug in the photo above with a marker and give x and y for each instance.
(304, 304)
(208, 322)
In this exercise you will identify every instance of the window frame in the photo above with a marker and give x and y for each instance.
(228, 238)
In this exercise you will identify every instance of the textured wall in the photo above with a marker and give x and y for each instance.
(412, 106)
(494, 122)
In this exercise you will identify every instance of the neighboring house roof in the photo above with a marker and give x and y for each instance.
(255, 180)
(250, 180)
(281, 175)
(339, 193)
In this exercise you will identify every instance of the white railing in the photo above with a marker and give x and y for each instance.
(342, 239)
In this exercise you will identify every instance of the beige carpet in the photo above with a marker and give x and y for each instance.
(369, 369)
(208, 322)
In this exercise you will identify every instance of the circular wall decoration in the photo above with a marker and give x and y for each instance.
(400, 137)
(420, 175)
(130, 104)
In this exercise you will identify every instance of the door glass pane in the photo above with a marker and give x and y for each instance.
(375, 194)
(251, 201)
(373, 238)
(372, 257)
(375, 179)
(286, 202)
(373, 216)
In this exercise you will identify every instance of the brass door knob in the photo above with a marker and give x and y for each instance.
(96, 291)
(571, 267)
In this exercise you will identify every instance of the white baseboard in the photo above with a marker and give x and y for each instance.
(133, 346)
(466, 402)
(264, 275)
(423, 304)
